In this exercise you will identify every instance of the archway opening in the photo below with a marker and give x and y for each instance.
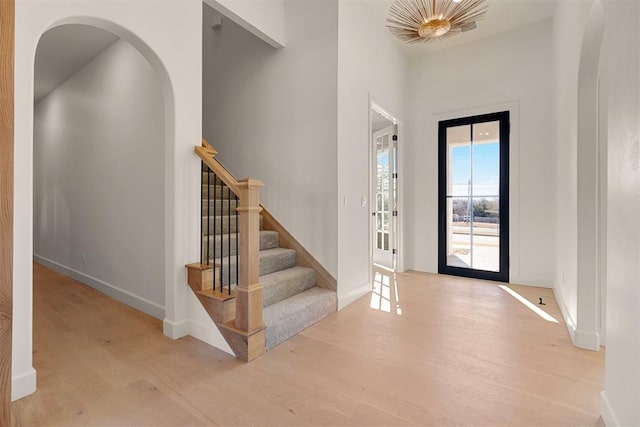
(101, 127)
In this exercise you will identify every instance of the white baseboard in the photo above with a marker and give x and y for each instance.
(124, 296)
(586, 340)
(175, 330)
(23, 384)
(568, 320)
(606, 411)
(352, 296)
(579, 338)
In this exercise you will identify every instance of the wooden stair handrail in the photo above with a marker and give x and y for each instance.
(208, 155)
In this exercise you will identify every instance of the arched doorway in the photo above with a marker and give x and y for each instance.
(102, 128)
(592, 185)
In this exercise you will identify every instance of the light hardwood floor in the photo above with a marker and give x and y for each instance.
(442, 351)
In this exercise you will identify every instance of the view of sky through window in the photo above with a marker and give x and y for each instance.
(486, 169)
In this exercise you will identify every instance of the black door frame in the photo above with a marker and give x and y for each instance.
(503, 274)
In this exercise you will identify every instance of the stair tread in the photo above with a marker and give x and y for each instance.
(287, 283)
(262, 232)
(273, 279)
(292, 315)
(262, 254)
(276, 277)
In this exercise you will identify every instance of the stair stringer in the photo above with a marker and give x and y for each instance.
(324, 279)
(200, 325)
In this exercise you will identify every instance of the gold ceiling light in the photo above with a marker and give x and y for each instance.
(416, 21)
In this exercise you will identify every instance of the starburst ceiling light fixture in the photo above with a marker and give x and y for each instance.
(416, 21)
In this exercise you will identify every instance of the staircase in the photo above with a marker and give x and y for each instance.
(289, 276)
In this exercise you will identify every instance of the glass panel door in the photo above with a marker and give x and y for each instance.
(384, 196)
(474, 196)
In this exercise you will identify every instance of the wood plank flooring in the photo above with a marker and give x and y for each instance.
(434, 350)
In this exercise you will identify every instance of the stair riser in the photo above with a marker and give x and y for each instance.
(228, 244)
(267, 265)
(228, 224)
(289, 287)
(221, 207)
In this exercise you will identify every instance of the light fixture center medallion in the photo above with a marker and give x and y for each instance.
(417, 21)
(434, 28)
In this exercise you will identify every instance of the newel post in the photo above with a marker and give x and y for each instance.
(249, 290)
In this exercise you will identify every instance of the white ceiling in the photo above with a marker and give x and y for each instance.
(502, 15)
(63, 51)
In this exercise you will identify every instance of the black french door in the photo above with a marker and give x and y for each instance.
(473, 228)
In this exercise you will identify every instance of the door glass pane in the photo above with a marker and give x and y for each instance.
(459, 157)
(486, 200)
(459, 238)
(383, 187)
(486, 234)
(458, 192)
(473, 189)
(486, 159)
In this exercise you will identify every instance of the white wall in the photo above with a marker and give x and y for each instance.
(620, 67)
(506, 71)
(263, 18)
(99, 178)
(370, 66)
(271, 114)
(175, 55)
(621, 399)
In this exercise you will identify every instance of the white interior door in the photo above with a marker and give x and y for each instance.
(384, 196)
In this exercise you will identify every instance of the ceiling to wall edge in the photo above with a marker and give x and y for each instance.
(65, 50)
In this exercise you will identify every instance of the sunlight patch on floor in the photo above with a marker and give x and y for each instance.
(385, 295)
(546, 316)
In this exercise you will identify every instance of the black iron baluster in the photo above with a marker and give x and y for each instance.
(237, 247)
(229, 236)
(201, 216)
(215, 227)
(208, 213)
(221, 228)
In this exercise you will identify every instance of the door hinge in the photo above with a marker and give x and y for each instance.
(394, 137)
(395, 213)
(394, 175)
(393, 251)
